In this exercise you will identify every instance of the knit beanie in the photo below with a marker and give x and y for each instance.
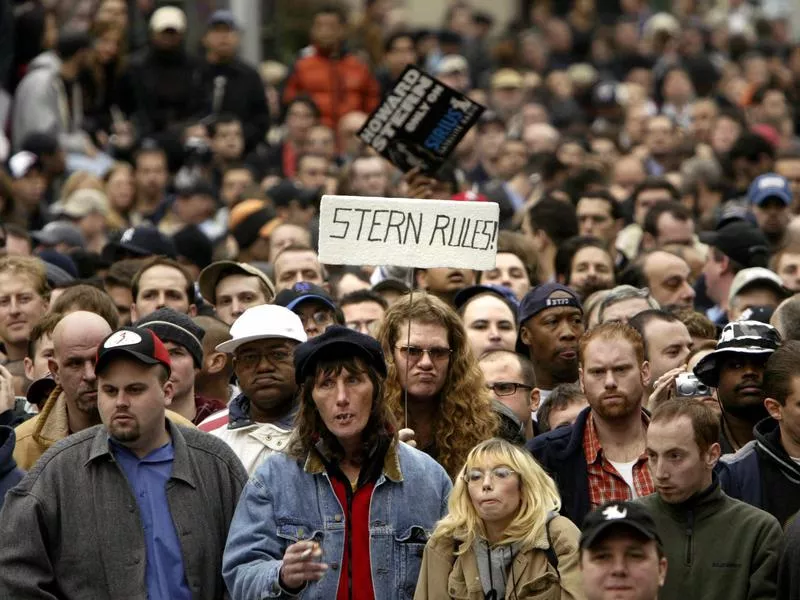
(172, 326)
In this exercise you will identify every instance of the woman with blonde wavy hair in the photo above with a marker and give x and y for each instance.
(503, 536)
(435, 387)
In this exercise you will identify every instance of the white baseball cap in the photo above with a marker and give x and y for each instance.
(168, 17)
(263, 322)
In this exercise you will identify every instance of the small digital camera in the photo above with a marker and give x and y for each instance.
(689, 386)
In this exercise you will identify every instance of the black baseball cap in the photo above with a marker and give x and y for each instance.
(547, 295)
(740, 241)
(132, 342)
(301, 292)
(631, 515)
(340, 343)
(144, 241)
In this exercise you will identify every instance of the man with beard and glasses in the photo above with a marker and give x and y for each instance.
(550, 323)
(736, 369)
(135, 507)
(601, 457)
(72, 405)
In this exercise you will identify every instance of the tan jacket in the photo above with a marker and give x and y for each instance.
(51, 425)
(444, 575)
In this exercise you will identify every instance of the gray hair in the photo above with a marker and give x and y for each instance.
(697, 170)
(626, 292)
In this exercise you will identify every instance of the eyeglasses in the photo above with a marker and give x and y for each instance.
(366, 325)
(323, 318)
(496, 474)
(251, 359)
(507, 388)
(414, 353)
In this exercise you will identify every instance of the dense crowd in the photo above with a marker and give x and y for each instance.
(193, 405)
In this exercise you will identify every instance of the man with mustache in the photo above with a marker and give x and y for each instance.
(550, 323)
(135, 507)
(259, 421)
(736, 369)
(601, 457)
(72, 405)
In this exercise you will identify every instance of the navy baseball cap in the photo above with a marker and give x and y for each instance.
(769, 185)
(547, 295)
(340, 343)
(301, 292)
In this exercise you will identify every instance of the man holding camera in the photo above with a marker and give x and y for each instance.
(667, 345)
(765, 472)
(736, 369)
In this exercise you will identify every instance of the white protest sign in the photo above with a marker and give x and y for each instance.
(403, 232)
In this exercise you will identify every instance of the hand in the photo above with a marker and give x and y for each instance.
(89, 148)
(419, 186)
(7, 397)
(664, 387)
(300, 565)
(407, 435)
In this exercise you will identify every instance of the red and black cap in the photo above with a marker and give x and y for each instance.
(132, 342)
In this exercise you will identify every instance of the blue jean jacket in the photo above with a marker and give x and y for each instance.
(285, 502)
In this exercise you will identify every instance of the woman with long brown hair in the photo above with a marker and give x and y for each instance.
(346, 512)
(434, 384)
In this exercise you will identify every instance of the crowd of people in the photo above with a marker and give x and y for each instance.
(194, 405)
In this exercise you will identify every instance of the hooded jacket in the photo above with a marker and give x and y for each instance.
(252, 442)
(338, 84)
(763, 474)
(10, 474)
(717, 548)
(444, 574)
(41, 106)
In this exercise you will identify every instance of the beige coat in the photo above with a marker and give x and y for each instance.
(444, 575)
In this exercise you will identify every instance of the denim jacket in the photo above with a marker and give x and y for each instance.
(286, 501)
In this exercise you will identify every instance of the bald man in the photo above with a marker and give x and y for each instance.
(72, 406)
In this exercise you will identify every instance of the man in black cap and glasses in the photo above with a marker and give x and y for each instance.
(736, 369)
(621, 553)
(134, 507)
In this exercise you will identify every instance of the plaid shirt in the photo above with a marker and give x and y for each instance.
(605, 483)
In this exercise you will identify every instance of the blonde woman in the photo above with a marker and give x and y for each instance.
(503, 537)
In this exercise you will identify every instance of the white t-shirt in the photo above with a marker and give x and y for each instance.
(625, 469)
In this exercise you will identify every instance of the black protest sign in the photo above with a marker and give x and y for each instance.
(420, 122)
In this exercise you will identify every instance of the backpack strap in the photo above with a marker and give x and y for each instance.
(552, 557)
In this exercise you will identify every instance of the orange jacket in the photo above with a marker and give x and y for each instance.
(337, 85)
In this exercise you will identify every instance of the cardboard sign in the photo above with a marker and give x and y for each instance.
(402, 232)
(419, 122)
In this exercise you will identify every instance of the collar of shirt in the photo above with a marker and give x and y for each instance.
(165, 453)
(593, 449)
